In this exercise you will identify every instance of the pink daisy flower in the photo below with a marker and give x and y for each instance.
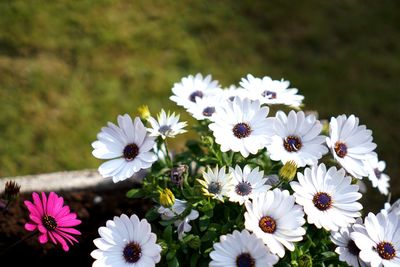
(53, 220)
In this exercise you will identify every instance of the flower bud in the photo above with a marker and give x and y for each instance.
(178, 174)
(11, 190)
(163, 245)
(144, 112)
(167, 198)
(288, 171)
(305, 261)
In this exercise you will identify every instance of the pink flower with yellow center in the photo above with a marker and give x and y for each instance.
(52, 219)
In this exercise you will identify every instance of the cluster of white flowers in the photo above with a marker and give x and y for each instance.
(239, 119)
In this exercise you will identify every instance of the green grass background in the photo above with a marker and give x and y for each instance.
(68, 67)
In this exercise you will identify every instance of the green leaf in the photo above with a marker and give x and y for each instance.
(192, 240)
(167, 235)
(152, 215)
(328, 254)
(193, 260)
(166, 223)
(209, 235)
(204, 222)
(173, 263)
(135, 193)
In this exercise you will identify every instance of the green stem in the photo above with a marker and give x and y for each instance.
(168, 159)
(28, 236)
(277, 185)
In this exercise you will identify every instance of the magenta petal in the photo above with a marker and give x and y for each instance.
(35, 219)
(38, 203)
(69, 230)
(51, 203)
(42, 229)
(44, 201)
(62, 241)
(68, 237)
(59, 202)
(32, 208)
(30, 226)
(43, 238)
(66, 217)
(69, 223)
(52, 238)
(61, 213)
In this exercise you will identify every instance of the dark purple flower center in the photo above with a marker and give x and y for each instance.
(386, 250)
(340, 149)
(292, 143)
(131, 151)
(267, 224)
(164, 129)
(132, 252)
(243, 188)
(208, 111)
(49, 222)
(241, 130)
(352, 247)
(269, 94)
(195, 94)
(322, 201)
(378, 173)
(214, 188)
(245, 260)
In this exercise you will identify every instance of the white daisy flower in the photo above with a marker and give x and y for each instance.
(241, 249)
(297, 138)
(184, 226)
(346, 248)
(191, 88)
(379, 239)
(328, 197)
(375, 174)
(276, 219)
(127, 147)
(166, 125)
(177, 209)
(269, 91)
(216, 183)
(204, 107)
(351, 144)
(247, 184)
(231, 92)
(126, 242)
(242, 126)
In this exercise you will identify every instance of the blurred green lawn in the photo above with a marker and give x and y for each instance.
(68, 67)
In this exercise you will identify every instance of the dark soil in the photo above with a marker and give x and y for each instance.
(93, 207)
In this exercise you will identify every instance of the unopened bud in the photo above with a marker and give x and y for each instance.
(288, 171)
(167, 198)
(163, 245)
(305, 261)
(11, 190)
(144, 112)
(178, 174)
